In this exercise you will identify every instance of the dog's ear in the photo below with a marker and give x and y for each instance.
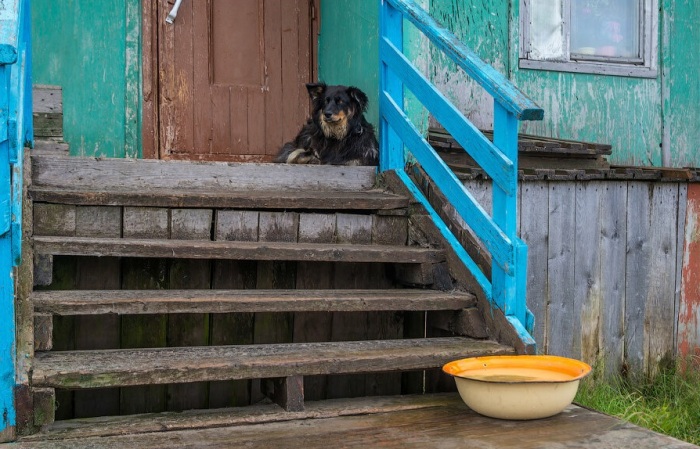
(316, 90)
(359, 96)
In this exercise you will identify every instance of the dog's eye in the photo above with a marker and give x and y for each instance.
(339, 100)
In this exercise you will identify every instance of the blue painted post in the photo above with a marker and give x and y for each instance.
(505, 207)
(7, 312)
(391, 155)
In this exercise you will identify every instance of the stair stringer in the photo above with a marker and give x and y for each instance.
(497, 325)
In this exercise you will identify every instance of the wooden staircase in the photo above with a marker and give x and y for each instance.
(170, 286)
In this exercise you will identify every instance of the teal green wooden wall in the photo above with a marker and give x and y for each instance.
(348, 51)
(629, 113)
(92, 49)
(681, 34)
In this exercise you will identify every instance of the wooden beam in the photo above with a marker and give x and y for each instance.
(234, 250)
(125, 367)
(287, 392)
(222, 198)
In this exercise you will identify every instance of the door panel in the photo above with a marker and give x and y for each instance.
(231, 77)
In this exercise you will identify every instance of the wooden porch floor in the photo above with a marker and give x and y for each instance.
(433, 421)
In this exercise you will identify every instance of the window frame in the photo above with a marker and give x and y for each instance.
(631, 67)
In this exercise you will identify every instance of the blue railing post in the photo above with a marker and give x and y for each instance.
(7, 312)
(16, 131)
(505, 206)
(391, 26)
(499, 159)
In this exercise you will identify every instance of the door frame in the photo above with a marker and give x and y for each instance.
(150, 70)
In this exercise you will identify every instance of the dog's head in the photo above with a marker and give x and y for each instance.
(335, 107)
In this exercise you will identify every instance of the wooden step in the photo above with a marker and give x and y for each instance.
(195, 249)
(223, 198)
(232, 417)
(127, 367)
(95, 302)
(144, 174)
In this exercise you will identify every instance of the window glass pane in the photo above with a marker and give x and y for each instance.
(546, 30)
(605, 28)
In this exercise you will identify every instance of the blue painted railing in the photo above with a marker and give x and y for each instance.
(15, 132)
(506, 288)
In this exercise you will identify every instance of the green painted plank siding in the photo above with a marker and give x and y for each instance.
(92, 50)
(681, 32)
(348, 47)
(629, 113)
(348, 51)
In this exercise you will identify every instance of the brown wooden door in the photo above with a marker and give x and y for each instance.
(230, 78)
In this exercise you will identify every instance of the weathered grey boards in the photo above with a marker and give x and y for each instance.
(177, 286)
(604, 262)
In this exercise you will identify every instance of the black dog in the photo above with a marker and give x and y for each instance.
(337, 132)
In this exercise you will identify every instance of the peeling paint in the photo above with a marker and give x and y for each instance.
(689, 308)
(92, 49)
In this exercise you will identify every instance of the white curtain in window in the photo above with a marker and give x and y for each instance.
(547, 30)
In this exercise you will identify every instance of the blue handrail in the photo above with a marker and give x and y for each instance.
(499, 158)
(15, 132)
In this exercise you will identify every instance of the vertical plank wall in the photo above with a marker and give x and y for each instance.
(689, 307)
(604, 269)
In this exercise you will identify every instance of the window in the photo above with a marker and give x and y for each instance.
(614, 37)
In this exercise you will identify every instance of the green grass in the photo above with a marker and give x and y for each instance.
(668, 404)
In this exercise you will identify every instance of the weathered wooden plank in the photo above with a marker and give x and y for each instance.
(47, 98)
(317, 228)
(144, 174)
(43, 331)
(560, 300)
(231, 417)
(236, 225)
(650, 285)
(659, 324)
(131, 247)
(93, 369)
(613, 255)
(389, 230)
(688, 342)
(43, 269)
(98, 221)
(48, 125)
(185, 329)
(534, 231)
(222, 197)
(587, 293)
(445, 423)
(47, 105)
(44, 403)
(133, 302)
(683, 204)
(287, 392)
(467, 322)
(54, 219)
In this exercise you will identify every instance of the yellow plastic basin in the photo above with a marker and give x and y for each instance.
(517, 387)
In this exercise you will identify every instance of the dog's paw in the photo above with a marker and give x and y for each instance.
(303, 156)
